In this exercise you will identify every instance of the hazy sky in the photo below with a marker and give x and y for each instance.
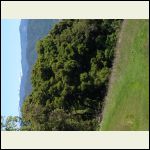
(10, 66)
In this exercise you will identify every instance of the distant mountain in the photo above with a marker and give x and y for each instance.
(31, 30)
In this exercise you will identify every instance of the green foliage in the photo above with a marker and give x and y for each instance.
(11, 123)
(70, 75)
(36, 29)
(2, 123)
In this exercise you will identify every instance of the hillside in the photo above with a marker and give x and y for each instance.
(127, 101)
(31, 30)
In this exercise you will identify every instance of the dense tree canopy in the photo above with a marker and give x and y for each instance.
(70, 75)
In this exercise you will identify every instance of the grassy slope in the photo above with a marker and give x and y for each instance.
(127, 101)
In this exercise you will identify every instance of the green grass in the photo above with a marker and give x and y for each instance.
(127, 101)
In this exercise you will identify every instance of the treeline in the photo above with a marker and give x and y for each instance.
(70, 76)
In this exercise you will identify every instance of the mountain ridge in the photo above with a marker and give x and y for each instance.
(31, 30)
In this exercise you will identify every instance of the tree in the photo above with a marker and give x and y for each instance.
(70, 76)
(2, 123)
(11, 123)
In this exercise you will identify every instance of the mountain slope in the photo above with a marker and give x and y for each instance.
(31, 30)
(127, 101)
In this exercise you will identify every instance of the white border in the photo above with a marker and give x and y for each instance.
(75, 9)
(75, 140)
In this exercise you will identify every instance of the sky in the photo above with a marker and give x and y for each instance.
(10, 67)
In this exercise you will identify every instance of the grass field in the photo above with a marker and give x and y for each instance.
(127, 102)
